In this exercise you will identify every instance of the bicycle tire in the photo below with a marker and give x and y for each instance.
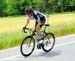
(21, 47)
(43, 47)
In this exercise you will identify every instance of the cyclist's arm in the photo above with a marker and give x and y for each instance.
(26, 23)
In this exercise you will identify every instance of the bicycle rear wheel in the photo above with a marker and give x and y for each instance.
(49, 42)
(27, 46)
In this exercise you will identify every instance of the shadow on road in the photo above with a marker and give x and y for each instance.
(49, 54)
(39, 54)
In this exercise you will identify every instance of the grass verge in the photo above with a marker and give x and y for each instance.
(11, 34)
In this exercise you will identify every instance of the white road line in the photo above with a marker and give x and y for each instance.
(65, 44)
(9, 57)
(55, 47)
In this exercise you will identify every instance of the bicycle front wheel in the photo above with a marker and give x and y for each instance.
(27, 46)
(49, 42)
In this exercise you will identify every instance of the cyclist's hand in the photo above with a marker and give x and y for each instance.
(24, 27)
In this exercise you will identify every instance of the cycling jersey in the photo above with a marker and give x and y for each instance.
(38, 17)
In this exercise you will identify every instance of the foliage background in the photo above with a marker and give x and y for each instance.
(62, 19)
(17, 7)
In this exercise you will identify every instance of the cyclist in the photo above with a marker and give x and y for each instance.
(39, 22)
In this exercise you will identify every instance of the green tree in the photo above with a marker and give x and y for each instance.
(17, 7)
(2, 7)
(53, 5)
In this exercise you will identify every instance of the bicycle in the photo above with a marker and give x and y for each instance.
(28, 44)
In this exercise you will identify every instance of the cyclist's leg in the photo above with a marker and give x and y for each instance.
(40, 38)
(42, 23)
(37, 28)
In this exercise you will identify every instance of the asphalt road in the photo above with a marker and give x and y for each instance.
(64, 50)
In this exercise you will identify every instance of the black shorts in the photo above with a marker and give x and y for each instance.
(43, 20)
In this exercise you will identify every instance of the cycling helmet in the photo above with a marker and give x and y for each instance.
(28, 10)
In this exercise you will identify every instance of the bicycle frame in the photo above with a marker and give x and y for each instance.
(32, 40)
(33, 33)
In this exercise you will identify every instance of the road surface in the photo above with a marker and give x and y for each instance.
(64, 50)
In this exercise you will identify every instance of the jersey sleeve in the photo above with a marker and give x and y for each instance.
(38, 18)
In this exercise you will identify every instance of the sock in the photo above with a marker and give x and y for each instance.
(39, 37)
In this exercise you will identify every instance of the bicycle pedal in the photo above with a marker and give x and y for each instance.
(39, 46)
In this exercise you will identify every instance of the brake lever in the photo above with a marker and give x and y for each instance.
(24, 31)
(26, 28)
